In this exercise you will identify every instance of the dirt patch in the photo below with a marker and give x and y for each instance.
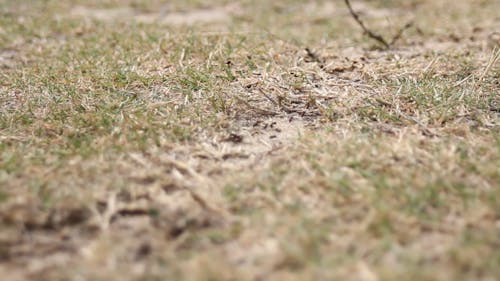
(166, 17)
(264, 136)
(103, 14)
(212, 15)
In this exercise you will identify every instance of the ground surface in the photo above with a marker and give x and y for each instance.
(199, 140)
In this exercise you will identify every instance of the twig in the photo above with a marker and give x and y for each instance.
(374, 35)
(400, 33)
(370, 33)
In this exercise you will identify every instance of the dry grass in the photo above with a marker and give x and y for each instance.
(248, 140)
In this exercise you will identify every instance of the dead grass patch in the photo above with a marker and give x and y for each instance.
(261, 145)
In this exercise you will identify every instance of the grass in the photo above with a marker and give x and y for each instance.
(135, 146)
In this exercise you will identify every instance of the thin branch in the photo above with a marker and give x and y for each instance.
(375, 36)
(400, 33)
(370, 33)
